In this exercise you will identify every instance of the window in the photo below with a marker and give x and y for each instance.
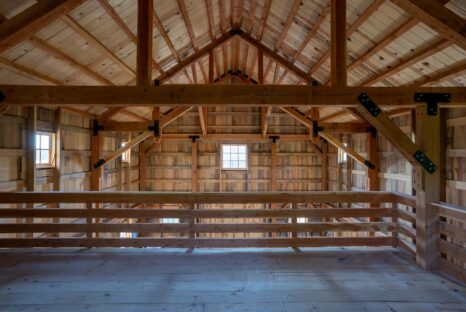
(301, 220)
(44, 149)
(170, 220)
(234, 156)
(125, 157)
(342, 156)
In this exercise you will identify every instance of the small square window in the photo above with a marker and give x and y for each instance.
(125, 157)
(44, 149)
(342, 156)
(170, 220)
(234, 157)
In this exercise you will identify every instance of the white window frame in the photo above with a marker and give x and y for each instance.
(342, 155)
(222, 156)
(170, 220)
(51, 149)
(125, 157)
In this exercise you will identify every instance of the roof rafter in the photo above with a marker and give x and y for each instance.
(424, 53)
(194, 57)
(58, 54)
(31, 20)
(435, 15)
(287, 25)
(359, 21)
(187, 22)
(80, 30)
(124, 27)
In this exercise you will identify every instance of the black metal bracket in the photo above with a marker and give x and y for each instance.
(155, 128)
(369, 164)
(99, 164)
(96, 127)
(372, 131)
(432, 100)
(194, 138)
(371, 107)
(236, 31)
(316, 128)
(156, 82)
(2, 96)
(425, 162)
(274, 138)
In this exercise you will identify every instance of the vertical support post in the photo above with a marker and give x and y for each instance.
(31, 124)
(260, 66)
(57, 158)
(96, 173)
(144, 42)
(142, 166)
(428, 188)
(211, 67)
(338, 43)
(373, 174)
(273, 177)
(324, 165)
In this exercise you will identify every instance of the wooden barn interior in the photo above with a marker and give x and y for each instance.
(232, 155)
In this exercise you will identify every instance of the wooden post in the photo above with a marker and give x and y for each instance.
(324, 165)
(373, 174)
(273, 177)
(144, 51)
(96, 173)
(260, 66)
(142, 166)
(211, 66)
(31, 156)
(338, 43)
(194, 165)
(428, 188)
(57, 157)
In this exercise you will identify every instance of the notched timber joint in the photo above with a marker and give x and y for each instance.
(425, 162)
(372, 131)
(194, 138)
(368, 104)
(236, 31)
(96, 127)
(369, 164)
(274, 138)
(316, 129)
(432, 100)
(100, 163)
(155, 128)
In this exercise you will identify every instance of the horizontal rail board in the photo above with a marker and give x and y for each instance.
(455, 251)
(198, 228)
(407, 216)
(195, 243)
(208, 213)
(457, 233)
(405, 199)
(193, 198)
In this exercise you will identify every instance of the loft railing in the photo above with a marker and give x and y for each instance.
(303, 219)
(452, 240)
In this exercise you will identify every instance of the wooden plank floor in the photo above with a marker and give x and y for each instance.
(323, 279)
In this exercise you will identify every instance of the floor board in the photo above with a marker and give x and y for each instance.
(322, 279)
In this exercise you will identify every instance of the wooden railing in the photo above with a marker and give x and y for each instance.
(406, 222)
(452, 241)
(301, 219)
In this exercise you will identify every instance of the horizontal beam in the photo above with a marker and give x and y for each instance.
(218, 95)
(184, 213)
(192, 198)
(197, 228)
(195, 242)
(143, 126)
